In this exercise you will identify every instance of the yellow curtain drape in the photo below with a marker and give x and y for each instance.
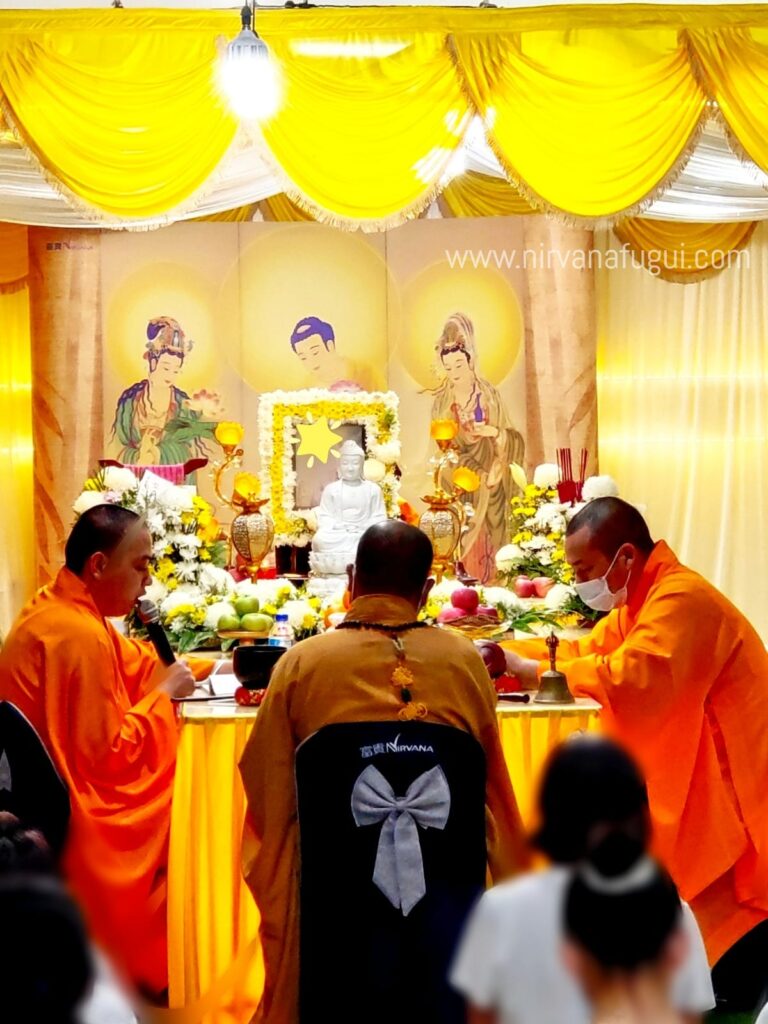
(365, 137)
(280, 207)
(735, 65)
(126, 115)
(683, 252)
(480, 195)
(17, 567)
(590, 122)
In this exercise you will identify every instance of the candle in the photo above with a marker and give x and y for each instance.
(443, 430)
(229, 434)
(466, 479)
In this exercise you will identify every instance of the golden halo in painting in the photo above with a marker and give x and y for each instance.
(174, 290)
(483, 295)
(291, 273)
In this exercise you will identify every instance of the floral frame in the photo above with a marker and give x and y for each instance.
(280, 412)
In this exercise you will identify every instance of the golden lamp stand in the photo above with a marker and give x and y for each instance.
(445, 517)
(252, 531)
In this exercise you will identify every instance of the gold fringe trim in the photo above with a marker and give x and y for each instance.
(102, 218)
(557, 213)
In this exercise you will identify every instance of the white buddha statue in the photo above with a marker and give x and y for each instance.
(347, 508)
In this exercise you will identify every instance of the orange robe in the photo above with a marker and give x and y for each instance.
(683, 678)
(345, 676)
(82, 685)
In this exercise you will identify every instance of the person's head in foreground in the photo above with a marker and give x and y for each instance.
(23, 849)
(393, 558)
(110, 549)
(590, 787)
(44, 951)
(624, 932)
(607, 544)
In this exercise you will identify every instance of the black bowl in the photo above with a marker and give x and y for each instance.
(253, 664)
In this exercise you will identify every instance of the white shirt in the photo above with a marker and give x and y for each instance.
(510, 956)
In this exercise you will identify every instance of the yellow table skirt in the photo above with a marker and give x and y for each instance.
(215, 964)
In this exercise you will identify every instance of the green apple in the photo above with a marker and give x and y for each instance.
(256, 623)
(246, 605)
(228, 622)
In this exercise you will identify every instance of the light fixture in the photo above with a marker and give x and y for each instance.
(249, 77)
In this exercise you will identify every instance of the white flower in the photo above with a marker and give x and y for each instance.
(549, 517)
(600, 487)
(187, 543)
(538, 543)
(215, 612)
(387, 452)
(309, 515)
(500, 597)
(441, 592)
(546, 475)
(374, 470)
(180, 596)
(297, 611)
(156, 592)
(246, 588)
(87, 500)
(176, 499)
(187, 571)
(158, 547)
(274, 591)
(118, 478)
(216, 581)
(508, 557)
(558, 596)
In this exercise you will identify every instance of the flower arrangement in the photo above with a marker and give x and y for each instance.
(188, 555)
(534, 562)
(279, 414)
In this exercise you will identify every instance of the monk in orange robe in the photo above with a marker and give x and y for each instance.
(346, 676)
(101, 704)
(683, 679)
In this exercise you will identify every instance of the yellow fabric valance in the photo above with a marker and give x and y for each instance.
(590, 122)
(683, 252)
(735, 65)
(480, 195)
(591, 110)
(365, 136)
(124, 114)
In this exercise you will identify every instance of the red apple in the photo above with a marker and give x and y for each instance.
(493, 656)
(488, 610)
(524, 587)
(465, 598)
(543, 585)
(449, 614)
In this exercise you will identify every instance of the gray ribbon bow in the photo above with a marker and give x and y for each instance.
(399, 868)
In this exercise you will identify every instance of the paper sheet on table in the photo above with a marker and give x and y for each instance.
(222, 680)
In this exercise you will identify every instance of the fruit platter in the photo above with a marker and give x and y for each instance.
(467, 616)
(245, 622)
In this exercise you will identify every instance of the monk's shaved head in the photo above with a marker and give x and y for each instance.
(393, 558)
(101, 528)
(611, 522)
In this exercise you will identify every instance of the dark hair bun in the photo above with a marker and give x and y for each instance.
(615, 854)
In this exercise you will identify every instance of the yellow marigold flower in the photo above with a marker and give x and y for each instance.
(532, 491)
(308, 621)
(172, 583)
(204, 555)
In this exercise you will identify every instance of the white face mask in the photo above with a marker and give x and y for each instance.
(596, 594)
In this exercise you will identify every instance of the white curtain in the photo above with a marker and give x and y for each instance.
(682, 375)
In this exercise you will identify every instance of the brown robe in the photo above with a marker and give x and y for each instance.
(345, 676)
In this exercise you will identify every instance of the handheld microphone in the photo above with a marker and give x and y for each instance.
(150, 618)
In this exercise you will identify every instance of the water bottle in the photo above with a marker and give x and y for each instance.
(281, 634)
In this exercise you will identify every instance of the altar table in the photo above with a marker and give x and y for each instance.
(215, 964)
